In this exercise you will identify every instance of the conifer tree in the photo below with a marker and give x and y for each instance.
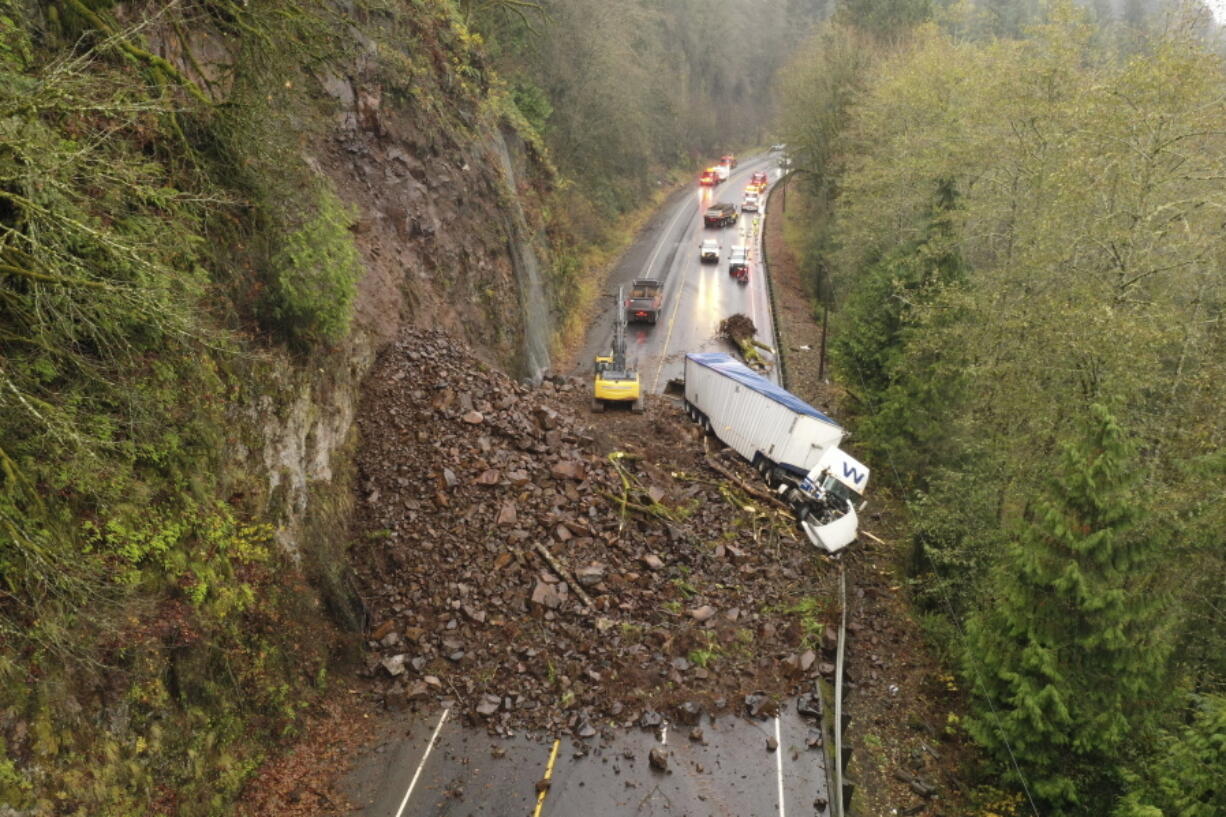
(1067, 659)
(1187, 775)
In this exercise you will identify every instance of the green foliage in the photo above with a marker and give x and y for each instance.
(1186, 774)
(533, 104)
(1070, 656)
(315, 274)
(885, 18)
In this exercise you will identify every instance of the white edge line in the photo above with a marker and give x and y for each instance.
(778, 765)
(664, 734)
(420, 766)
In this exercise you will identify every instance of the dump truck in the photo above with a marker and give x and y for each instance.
(793, 446)
(720, 214)
(646, 298)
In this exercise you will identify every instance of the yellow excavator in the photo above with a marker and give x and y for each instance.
(615, 381)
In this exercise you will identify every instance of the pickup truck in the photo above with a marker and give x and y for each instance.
(721, 214)
(708, 251)
(750, 204)
(792, 445)
(645, 301)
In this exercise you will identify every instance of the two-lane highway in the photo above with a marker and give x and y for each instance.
(697, 296)
(434, 766)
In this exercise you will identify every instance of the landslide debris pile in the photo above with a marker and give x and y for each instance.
(512, 567)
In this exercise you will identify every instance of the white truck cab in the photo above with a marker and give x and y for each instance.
(834, 490)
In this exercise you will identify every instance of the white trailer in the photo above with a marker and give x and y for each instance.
(793, 445)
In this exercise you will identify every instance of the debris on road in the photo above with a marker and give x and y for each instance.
(740, 331)
(530, 567)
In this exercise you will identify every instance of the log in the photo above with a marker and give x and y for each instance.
(564, 575)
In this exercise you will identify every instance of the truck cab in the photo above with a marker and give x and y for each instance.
(826, 500)
(709, 177)
(708, 251)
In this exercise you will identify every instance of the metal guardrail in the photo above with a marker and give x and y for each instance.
(838, 806)
(770, 287)
(837, 794)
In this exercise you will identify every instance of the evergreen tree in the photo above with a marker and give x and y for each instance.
(1067, 659)
(904, 392)
(1187, 775)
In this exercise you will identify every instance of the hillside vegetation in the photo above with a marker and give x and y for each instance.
(176, 271)
(1022, 237)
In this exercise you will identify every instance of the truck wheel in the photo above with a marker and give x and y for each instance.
(637, 406)
(597, 405)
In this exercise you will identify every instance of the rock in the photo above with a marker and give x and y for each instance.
(759, 705)
(814, 739)
(701, 614)
(433, 681)
(562, 533)
(650, 719)
(391, 639)
(449, 478)
(568, 470)
(655, 494)
(585, 730)
(771, 744)
(489, 705)
(473, 418)
(382, 630)
(806, 660)
(696, 734)
(591, 575)
(653, 562)
(689, 713)
(658, 758)
(820, 804)
(830, 638)
(549, 596)
(489, 476)
(809, 705)
(518, 478)
(507, 515)
(394, 664)
(826, 669)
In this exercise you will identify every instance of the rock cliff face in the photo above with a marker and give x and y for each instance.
(445, 225)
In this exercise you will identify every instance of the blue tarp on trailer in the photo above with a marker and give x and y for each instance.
(733, 368)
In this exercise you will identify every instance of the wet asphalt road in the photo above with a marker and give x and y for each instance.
(433, 766)
(697, 296)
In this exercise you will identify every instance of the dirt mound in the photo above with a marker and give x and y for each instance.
(515, 565)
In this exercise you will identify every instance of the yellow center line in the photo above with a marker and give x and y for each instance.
(672, 321)
(540, 797)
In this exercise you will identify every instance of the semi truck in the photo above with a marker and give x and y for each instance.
(793, 446)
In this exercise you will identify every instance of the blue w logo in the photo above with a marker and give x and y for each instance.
(850, 470)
